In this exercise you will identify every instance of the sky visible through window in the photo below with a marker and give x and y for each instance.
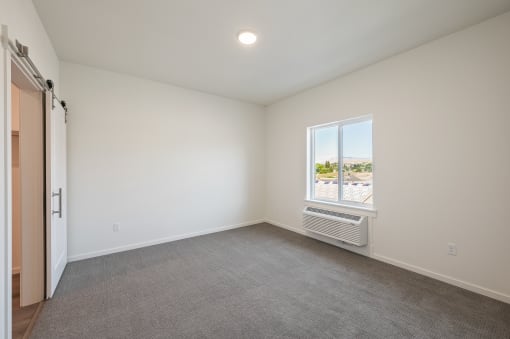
(357, 142)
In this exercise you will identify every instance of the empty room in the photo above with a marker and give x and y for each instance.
(255, 169)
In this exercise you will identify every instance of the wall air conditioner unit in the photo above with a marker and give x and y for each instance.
(352, 229)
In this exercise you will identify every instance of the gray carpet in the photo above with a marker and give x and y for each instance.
(259, 282)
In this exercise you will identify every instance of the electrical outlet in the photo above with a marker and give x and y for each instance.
(116, 227)
(452, 248)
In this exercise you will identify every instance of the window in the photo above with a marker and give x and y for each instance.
(340, 162)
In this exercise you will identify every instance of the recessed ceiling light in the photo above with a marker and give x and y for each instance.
(247, 37)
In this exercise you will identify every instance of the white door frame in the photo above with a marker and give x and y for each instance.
(7, 57)
(5, 190)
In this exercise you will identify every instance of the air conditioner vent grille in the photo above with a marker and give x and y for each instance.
(345, 227)
(334, 214)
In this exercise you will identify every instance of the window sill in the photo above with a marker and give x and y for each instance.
(360, 210)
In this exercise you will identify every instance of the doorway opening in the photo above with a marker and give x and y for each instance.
(28, 202)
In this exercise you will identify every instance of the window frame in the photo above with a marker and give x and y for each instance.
(310, 191)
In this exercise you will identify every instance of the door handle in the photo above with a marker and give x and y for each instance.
(59, 211)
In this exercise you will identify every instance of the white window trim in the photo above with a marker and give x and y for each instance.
(310, 166)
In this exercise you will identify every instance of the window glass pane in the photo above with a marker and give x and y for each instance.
(326, 163)
(357, 162)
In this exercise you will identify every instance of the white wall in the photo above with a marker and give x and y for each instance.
(24, 24)
(162, 161)
(441, 154)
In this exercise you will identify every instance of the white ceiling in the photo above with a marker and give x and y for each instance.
(302, 43)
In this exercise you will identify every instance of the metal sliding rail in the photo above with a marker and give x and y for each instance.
(22, 53)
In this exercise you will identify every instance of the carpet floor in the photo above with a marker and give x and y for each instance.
(259, 282)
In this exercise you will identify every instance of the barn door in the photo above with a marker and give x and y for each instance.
(56, 188)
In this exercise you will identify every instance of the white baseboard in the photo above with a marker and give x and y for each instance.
(16, 270)
(444, 278)
(99, 253)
